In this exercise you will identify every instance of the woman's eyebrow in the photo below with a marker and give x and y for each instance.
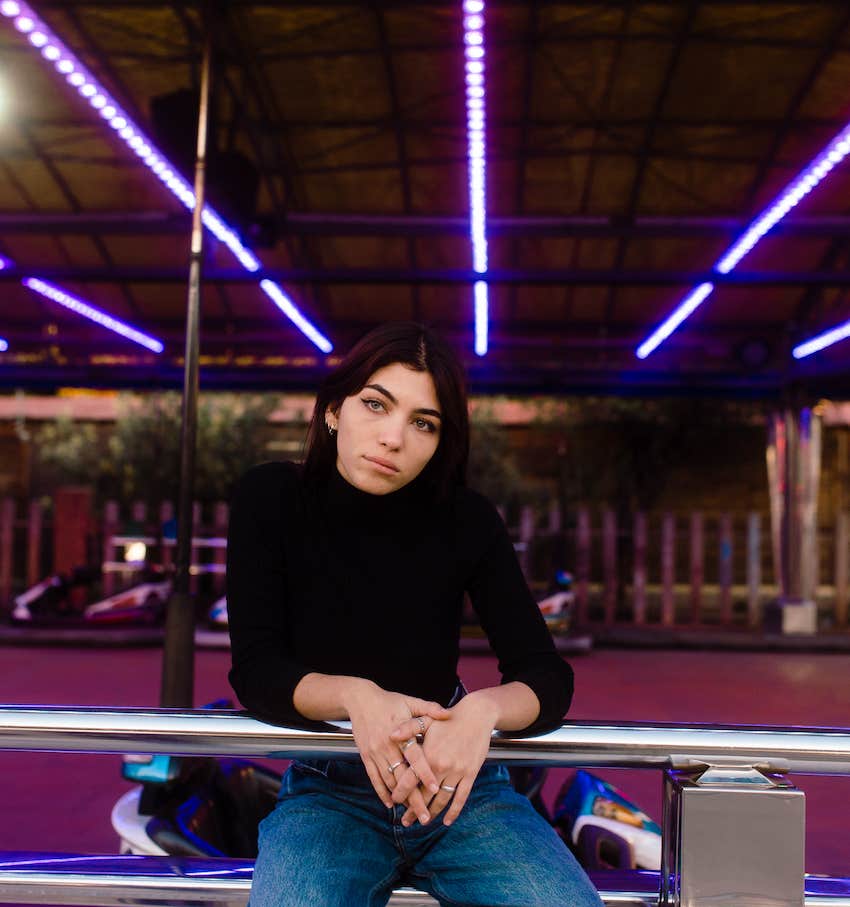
(392, 399)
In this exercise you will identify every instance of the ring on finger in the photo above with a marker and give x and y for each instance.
(420, 737)
(448, 788)
(391, 768)
(408, 743)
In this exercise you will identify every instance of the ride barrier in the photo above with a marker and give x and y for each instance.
(643, 569)
(733, 823)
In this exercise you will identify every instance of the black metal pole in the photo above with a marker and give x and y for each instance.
(178, 659)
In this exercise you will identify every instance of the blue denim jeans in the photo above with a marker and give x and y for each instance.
(330, 842)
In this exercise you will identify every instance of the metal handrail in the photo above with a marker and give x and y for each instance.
(803, 750)
(154, 882)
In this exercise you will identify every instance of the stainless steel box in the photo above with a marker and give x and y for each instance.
(732, 838)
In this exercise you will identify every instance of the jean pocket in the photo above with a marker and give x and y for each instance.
(319, 767)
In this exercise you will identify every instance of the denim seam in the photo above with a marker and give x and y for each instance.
(377, 886)
(442, 897)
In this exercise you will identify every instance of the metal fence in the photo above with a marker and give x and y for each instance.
(740, 765)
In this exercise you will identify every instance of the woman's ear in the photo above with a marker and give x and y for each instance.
(331, 419)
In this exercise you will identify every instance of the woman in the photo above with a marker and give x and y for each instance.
(345, 583)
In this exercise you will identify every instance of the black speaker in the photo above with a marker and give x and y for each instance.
(232, 179)
(174, 121)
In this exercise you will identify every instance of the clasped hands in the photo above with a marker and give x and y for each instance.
(455, 745)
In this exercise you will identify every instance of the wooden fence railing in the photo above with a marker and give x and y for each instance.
(674, 569)
(648, 568)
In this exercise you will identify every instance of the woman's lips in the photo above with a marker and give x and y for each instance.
(383, 466)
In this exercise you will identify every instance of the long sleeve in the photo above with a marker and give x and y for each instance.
(264, 674)
(514, 625)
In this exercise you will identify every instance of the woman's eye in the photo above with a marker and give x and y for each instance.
(375, 405)
(425, 425)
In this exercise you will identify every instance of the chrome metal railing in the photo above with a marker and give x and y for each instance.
(726, 755)
(802, 750)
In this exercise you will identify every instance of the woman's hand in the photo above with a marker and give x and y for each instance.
(454, 748)
(374, 713)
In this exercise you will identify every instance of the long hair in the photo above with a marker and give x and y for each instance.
(419, 348)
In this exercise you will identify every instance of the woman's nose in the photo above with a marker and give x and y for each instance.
(391, 435)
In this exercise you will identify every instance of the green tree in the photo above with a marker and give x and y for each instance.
(140, 458)
(67, 453)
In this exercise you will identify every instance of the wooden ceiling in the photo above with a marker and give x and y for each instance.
(627, 145)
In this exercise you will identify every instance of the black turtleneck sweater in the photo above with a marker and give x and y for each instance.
(332, 579)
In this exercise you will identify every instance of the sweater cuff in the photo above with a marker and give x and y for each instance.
(269, 697)
(553, 686)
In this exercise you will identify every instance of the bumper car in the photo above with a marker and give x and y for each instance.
(557, 605)
(217, 614)
(604, 829)
(53, 601)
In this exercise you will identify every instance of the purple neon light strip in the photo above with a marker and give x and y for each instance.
(813, 174)
(27, 22)
(821, 341)
(77, 305)
(476, 139)
(4, 344)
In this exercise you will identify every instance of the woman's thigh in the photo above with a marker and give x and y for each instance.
(501, 853)
(319, 846)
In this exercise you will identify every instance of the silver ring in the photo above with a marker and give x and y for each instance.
(408, 743)
(448, 788)
(394, 766)
(420, 737)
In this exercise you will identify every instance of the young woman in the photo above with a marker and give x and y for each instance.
(345, 584)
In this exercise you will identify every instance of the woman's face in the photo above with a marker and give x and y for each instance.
(388, 431)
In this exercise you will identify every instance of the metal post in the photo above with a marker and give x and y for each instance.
(753, 569)
(639, 581)
(668, 570)
(793, 460)
(697, 566)
(178, 661)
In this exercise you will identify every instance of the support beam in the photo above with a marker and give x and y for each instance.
(444, 276)
(162, 223)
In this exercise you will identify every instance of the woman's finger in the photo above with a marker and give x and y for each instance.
(417, 807)
(427, 707)
(463, 787)
(373, 770)
(407, 783)
(442, 799)
(396, 766)
(411, 728)
(409, 817)
(418, 761)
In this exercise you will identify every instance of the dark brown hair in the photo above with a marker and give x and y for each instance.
(419, 348)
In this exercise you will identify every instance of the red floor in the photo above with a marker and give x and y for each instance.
(62, 802)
